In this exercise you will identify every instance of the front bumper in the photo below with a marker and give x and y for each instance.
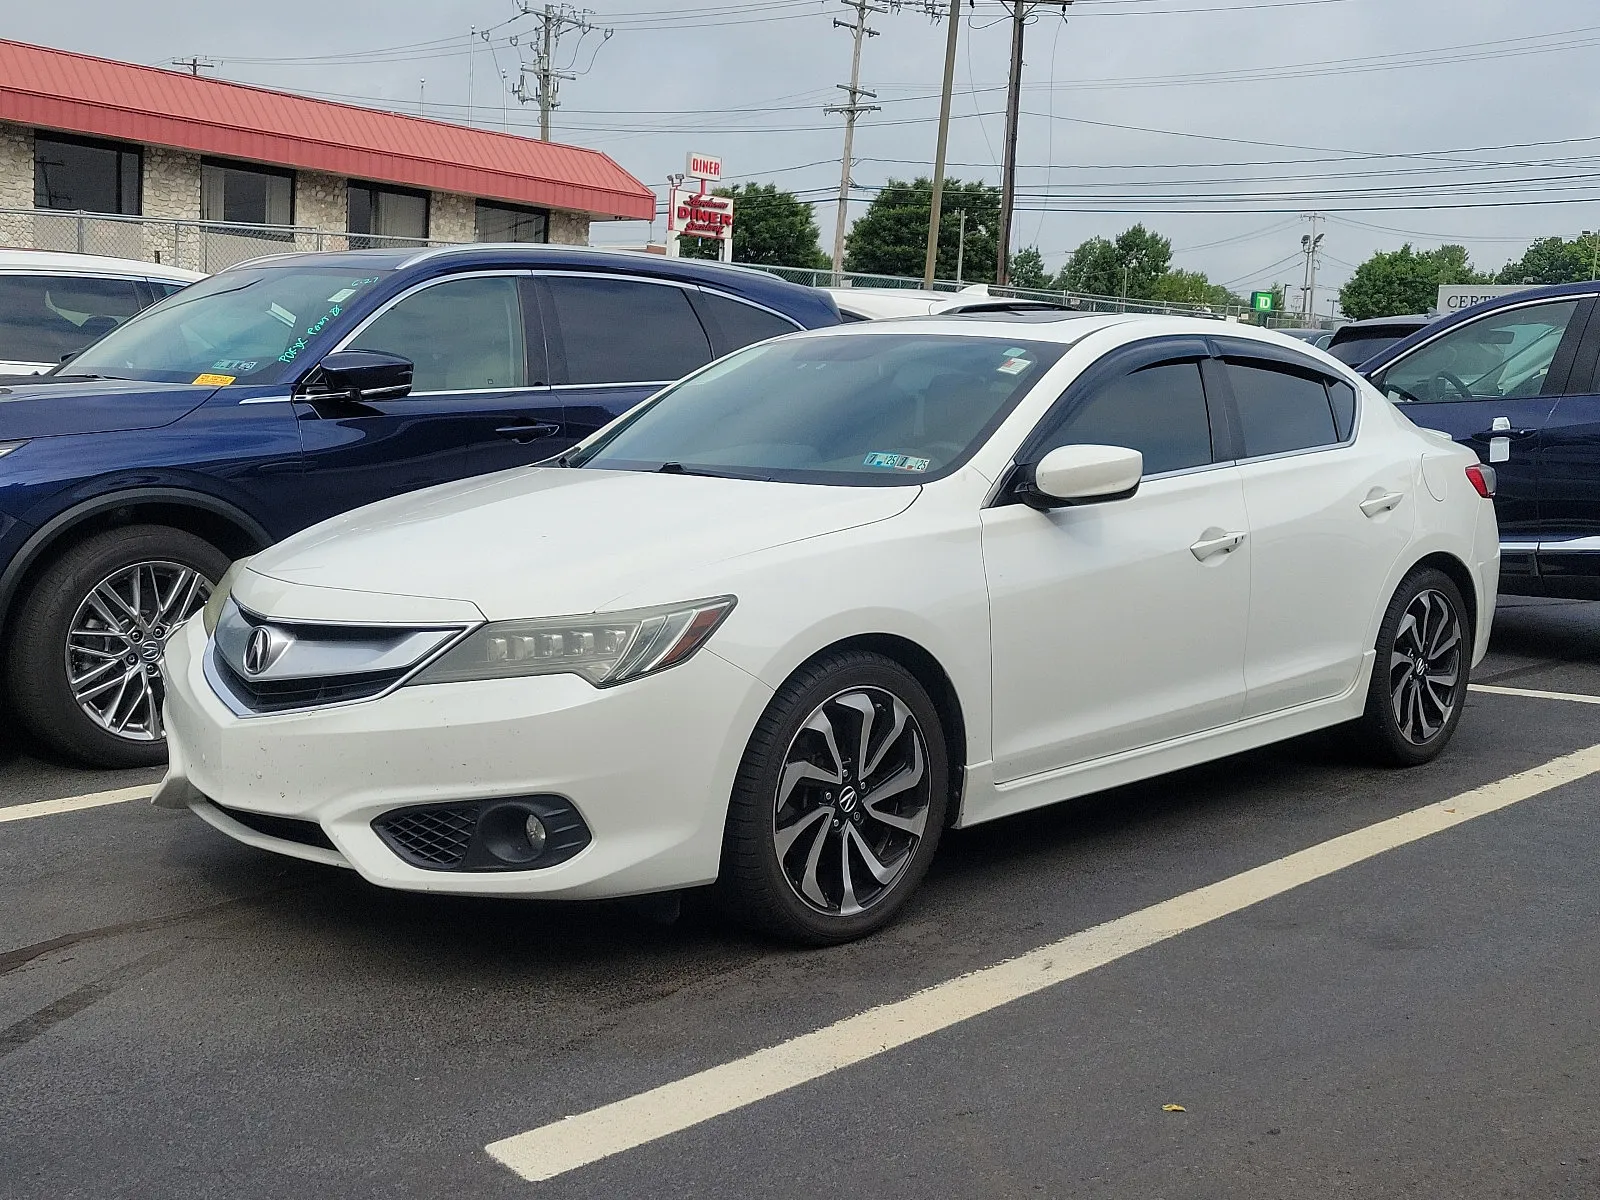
(649, 765)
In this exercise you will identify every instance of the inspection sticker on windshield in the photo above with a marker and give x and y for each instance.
(1014, 366)
(897, 462)
(214, 380)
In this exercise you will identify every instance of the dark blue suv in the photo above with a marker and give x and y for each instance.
(1518, 379)
(289, 389)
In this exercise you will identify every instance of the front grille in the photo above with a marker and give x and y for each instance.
(431, 837)
(285, 829)
(285, 695)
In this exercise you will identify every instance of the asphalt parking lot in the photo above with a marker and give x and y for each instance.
(184, 1016)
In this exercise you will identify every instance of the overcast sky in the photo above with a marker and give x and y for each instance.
(1280, 107)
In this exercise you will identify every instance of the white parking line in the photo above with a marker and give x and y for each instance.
(577, 1141)
(46, 808)
(1530, 694)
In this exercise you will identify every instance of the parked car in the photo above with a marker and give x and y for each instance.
(1359, 341)
(1312, 337)
(783, 624)
(1517, 379)
(877, 304)
(287, 390)
(53, 305)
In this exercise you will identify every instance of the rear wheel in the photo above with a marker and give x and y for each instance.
(84, 667)
(839, 803)
(1419, 681)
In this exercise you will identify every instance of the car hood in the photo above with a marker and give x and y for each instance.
(57, 405)
(546, 541)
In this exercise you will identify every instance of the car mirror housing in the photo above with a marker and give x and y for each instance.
(1071, 475)
(359, 375)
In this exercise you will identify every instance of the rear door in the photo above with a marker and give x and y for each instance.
(1492, 384)
(479, 393)
(1569, 489)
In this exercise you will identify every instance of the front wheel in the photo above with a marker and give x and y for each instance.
(839, 802)
(1419, 681)
(84, 663)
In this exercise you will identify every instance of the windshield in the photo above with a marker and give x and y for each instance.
(1356, 350)
(246, 326)
(866, 409)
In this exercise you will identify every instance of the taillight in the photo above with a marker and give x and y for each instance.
(1483, 480)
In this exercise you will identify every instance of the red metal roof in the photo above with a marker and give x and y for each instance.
(75, 93)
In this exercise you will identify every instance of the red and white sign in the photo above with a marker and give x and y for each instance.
(703, 166)
(694, 214)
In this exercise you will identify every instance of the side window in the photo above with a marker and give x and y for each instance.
(462, 335)
(743, 324)
(1280, 409)
(622, 330)
(1344, 408)
(165, 287)
(1159, 411)
(1496, 357)
(43, 317)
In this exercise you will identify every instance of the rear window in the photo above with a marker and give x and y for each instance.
(1280, 410)
(1358, 348)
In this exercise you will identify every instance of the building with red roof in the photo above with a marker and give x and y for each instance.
(89, 135)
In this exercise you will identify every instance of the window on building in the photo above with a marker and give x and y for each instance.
(244, 194)
(382, 212)
(101, 177)
(508, 223)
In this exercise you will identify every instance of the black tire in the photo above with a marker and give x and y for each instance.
(1416, 727)
(36, 657)
(755, 887)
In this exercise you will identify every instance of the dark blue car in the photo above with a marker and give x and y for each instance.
(286, 390)
(1518, 379)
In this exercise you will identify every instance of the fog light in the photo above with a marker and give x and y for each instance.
(536, 834)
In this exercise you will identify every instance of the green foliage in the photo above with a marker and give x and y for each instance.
(1137, 258)
(770, 228)
(891, 237)
(1554, 260)
(1404, 281)
(1027, 269)
(1192, 287)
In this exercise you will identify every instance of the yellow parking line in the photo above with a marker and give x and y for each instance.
(577, 1141)
(1531, 694)
(46, 808)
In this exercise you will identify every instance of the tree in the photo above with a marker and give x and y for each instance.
(1192, 287)
(1135, 260)
(770, 228)
(1554, 260)
(1027, 269)
(1404, 281)
(891, 237)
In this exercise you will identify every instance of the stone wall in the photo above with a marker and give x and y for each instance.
(321, 202)
(452, 217)
(16, 184)
(172, 191)
(569, 228)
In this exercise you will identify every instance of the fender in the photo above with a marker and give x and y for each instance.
(48, 534)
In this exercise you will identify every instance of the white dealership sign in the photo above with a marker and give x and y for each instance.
(1453, 297)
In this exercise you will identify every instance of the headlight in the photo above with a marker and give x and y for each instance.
(605, 648)
(7, 447)
(212, 612)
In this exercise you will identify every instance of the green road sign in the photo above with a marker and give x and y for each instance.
(1262, 302)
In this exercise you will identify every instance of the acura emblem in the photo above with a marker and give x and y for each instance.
(264, 648)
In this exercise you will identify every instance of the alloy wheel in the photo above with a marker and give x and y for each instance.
(852, 801)
(1425, 666)
(116, 641)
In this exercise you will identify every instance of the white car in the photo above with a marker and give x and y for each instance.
(781, 625)
(53, 305)
(878, 304)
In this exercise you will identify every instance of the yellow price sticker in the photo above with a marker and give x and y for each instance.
(215, 380)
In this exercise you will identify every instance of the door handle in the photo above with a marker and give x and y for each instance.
(1379, 501)
(533, 431)
(1214, 542)
(1501, 428)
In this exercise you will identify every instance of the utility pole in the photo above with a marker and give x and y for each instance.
(196, 64)
(1311, 246)
(961, 246)
(860, 31)
(1021, 12)
(554, 22)
(1594, 238)
(952, 36)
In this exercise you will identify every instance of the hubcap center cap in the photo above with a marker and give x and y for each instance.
(849, 800)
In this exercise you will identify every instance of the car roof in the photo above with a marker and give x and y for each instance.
(91, 264)
(1409, 321)
(1068, 327)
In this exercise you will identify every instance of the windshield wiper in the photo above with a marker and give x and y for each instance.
(677, 468)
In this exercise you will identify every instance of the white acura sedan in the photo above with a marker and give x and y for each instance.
(784, 623)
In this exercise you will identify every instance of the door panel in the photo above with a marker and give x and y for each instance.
(1569, 492)
(1109, 631)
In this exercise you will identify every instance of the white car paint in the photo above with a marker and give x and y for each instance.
(878, 304)
(1087, 647)
(55, 263)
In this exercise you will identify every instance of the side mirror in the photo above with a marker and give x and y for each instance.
(358, 375)
(1071, 475)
